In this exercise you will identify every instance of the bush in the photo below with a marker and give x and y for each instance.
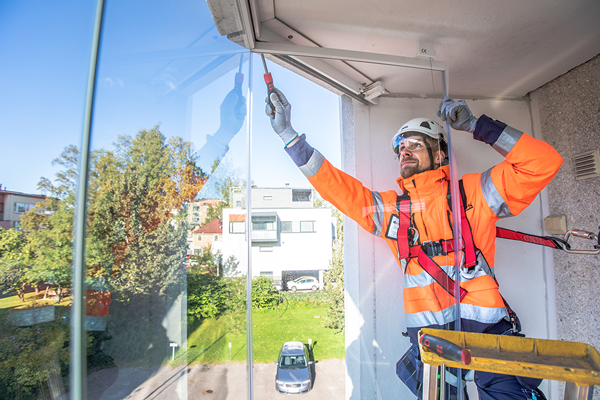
(264, 295)
(235, 295)
(206, 296)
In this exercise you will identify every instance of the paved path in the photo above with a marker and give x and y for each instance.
(208, 382)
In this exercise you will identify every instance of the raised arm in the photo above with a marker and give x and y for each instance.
(509, 187)
(345, 192)
(232, 113)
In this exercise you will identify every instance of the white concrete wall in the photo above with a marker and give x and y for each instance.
(374, 281)
(294, 251)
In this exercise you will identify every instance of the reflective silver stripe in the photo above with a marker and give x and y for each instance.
(377, 213)
(424, 279)
(313, 165)
(507, 140)
(484, 315)
(492, 197)
(426, 318)
(487, 315)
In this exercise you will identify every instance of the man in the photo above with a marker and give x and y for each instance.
(418, 224)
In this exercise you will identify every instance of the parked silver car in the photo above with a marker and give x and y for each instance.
(294, 374)
(303, 283)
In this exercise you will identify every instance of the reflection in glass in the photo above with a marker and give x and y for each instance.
(161, 301)
(296, 251)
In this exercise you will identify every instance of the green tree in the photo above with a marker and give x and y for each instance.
(49, 226)
(137, 229)
(334, 280)
(14, 264)
(50, 246)
(207, 262)
(230, 267)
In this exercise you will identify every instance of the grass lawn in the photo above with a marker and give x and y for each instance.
(32, 300)
(208, 343)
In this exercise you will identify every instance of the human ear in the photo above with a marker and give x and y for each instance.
(441, 156)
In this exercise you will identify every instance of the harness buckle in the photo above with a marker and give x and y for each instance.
(433, 249)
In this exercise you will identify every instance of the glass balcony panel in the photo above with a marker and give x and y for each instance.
(45, 50)
(169, 141)
(292, 249)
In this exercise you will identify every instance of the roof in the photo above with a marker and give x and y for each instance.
(214, 226)
(37, 196)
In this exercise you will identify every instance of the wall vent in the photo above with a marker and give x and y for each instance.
(587, 165)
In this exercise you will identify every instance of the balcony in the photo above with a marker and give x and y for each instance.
(264, 227)
(264, 236)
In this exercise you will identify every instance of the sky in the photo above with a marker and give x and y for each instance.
(159, 65)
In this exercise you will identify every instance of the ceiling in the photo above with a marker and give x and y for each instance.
(489, 48)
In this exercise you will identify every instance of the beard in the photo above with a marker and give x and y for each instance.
(406, 171)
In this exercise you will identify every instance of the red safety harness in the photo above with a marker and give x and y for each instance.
(429, 249)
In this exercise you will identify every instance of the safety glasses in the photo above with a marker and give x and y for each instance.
(402, 144)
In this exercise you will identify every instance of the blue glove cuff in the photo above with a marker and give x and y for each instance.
(488, 130)
(301, 151)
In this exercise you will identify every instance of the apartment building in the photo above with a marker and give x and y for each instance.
(198, 210)
(14, 204)
(289, 237)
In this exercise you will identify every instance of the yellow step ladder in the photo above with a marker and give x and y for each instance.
(577, 364)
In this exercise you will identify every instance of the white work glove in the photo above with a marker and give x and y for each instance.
(457, 113)
(281, 119)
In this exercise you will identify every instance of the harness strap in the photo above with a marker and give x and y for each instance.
(434, 249)
(403, 205)
(427, 250)
(438, 274)
(465, 229)
(552, 242)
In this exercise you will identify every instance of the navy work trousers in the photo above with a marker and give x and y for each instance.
(489, 386)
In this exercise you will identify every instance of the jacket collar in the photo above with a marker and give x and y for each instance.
(424, 180)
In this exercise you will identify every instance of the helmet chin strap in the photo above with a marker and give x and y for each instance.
(429, 151)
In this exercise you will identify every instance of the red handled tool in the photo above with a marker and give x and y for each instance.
(446, 349)
(269, 82)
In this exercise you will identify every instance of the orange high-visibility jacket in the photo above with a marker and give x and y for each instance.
(502, 191)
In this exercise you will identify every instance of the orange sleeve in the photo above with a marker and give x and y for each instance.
(347, 194)
(529, 167)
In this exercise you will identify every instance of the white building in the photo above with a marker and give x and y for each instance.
(290, 237)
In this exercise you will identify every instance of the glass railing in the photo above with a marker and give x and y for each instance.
(206, 249)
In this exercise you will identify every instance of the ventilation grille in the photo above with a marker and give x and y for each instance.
(587, 165)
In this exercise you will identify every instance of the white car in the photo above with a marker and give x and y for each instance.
(303, 283)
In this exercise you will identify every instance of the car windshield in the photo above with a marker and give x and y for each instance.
(292, 362)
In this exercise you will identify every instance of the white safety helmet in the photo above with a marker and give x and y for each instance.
(420, 127)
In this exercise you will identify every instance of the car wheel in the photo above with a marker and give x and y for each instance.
(314, 288)
(293, 288)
